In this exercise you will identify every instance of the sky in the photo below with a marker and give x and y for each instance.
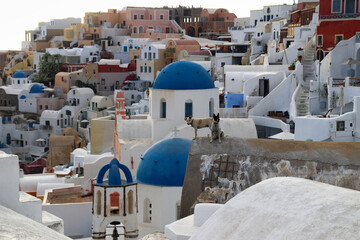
(16, 17)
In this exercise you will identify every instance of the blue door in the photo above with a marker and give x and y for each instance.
(188, 109)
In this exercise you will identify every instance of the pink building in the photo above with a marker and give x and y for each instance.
(142, 19)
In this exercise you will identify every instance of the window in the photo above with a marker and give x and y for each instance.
(145, 55)
(110, 69)
(46, 107)
(320, 40)
(188, 108)
(163, 108)
(149, 69)
(141, 69)
(102, 81)
(336, 6)
(94, 71)
(58, 122)
(338, 38)
(340, 126)
(150, 17)
(135, 16)
(350, 6)
(145, 69)
(153, 55)
(211, 107)
(142, 16)
(161, 16)
(130, 202)
(18, 81)
(40, 107)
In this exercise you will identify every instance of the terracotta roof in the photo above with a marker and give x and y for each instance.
(200, 53)
(186, 42)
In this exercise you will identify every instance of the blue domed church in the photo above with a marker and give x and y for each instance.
(160, 178)
(180, 89)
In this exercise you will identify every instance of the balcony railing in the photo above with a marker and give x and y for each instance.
(233, 113)
(339, 16)
(45, 127)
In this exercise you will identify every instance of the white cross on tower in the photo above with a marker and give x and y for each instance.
(175, 131)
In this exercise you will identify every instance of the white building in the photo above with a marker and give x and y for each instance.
(55, 24)
(20, 201)
(98, 106)
(160, 177)
(77, 98)
(337, 128)
(79, 55)
(270, 12)
(180, 90)
(295, 203)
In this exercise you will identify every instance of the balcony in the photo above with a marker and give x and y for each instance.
(339, 16)
(46, 127)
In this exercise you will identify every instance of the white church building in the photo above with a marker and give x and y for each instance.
(181, 89)
(160, 178)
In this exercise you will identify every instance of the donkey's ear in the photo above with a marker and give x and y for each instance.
(214, 115)
(218, 115)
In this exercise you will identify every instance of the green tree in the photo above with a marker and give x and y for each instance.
(49, 67)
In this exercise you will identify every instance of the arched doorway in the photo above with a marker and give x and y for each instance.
(141, 29)
(190, 31)
(134, 30)
(320, 54)
(200, 30)
(188, 108)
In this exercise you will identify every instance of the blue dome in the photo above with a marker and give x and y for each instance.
(36, 88)
(164, 164)
(183, 75)
(19, 75)
(114, 174)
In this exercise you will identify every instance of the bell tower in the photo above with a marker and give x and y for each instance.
(115, 201)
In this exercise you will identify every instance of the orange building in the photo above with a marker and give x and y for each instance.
(211, 20)
(173, 48)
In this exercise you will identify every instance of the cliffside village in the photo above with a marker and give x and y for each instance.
(168, 123)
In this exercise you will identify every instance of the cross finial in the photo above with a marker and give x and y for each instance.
(175, 131)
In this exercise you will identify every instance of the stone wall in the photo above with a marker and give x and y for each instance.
(218, 171)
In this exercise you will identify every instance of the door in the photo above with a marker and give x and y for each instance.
(263, 87)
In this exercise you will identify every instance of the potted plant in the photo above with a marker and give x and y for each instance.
(300, 53)
(299, 58)
(292, 65)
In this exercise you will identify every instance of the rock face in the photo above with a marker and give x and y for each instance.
(217, 172)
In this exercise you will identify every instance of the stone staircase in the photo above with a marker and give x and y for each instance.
(302, 100)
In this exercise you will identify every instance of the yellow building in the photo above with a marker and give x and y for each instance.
(21, 64)
(75, 31)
